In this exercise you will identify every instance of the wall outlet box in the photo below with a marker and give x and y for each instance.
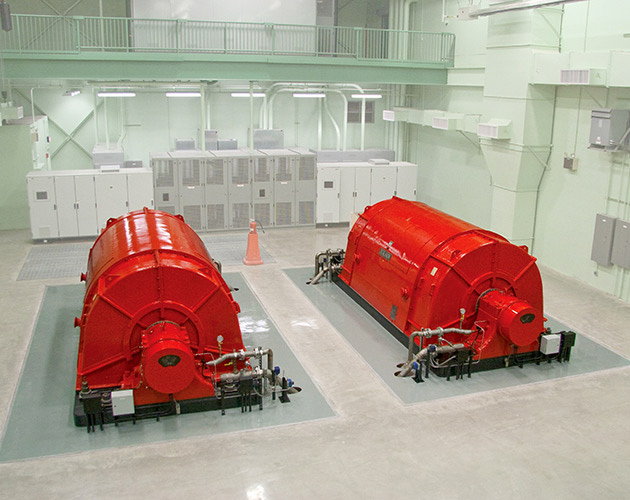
(122, 402)
(570, 162)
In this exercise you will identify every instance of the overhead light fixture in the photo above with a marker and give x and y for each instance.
(247, 94)
(309, 96)
(71, 93)
(183, 94)
(366, 96)
(116, 94)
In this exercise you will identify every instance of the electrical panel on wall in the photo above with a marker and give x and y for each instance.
(610, 129)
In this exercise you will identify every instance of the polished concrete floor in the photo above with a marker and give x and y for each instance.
(560, 439)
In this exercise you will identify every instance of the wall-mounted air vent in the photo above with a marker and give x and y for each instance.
(582, 76)
(495, 129)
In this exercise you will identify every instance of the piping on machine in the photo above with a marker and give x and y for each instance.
(460, 298)
(159, 329)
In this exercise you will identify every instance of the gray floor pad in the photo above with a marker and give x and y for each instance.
(65, 260)
(382, 352)
(40, 422)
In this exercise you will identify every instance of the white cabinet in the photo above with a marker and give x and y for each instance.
(71, 203)
(406, 181)
(359, 184)
(328, 193)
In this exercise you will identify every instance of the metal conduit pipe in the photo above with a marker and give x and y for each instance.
(319, 124)
(241, 355)
(426, 333)
(332, 119)
(407, 368)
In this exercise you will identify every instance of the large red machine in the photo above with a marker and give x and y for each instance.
(159, 327)
(467, 294)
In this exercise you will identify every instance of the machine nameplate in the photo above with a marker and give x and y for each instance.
(385, 254)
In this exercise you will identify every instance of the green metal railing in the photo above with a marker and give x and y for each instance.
(75, 35)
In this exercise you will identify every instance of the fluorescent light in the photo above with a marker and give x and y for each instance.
(71, 93)
(247, 94)
(116, 94)
(366, 96)
(183, 94)
(311, 96)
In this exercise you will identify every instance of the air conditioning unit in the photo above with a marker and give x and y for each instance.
(495, 129)
(388, 115)
(583, 76)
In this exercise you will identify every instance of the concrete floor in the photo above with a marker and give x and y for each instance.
(559, 439)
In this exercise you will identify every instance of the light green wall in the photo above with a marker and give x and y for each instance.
(111, 8)
(455, 179)
(361, 13)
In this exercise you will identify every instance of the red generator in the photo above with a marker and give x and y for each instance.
(459, 297)
(159, 327)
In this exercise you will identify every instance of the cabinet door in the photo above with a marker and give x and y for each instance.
(41, 202)
(406, 182)
(328, 184)
(86, 205)
(139, 190)
(66, 206)
(383, 183)
(347, 193)
(111, 196)
(362, 188)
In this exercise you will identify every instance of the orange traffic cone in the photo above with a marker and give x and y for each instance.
(252, 257)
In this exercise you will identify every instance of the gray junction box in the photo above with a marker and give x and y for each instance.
(620, 254)
(603, 239)
(609, 128)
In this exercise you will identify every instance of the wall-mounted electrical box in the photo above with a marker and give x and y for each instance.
(603, 239)
(570, 162)
(620, 255)
(268, 138)
(609, 129)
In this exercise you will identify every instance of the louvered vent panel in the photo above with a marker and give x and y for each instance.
(307, 169)
(192, 216)
(216, 216)
(240, 215)
(240, 171)
(164, 176)
(262, 213)
(307, 212)
(169, 209)
(283, 214)
(191, 173)
(262, 172)
(214, 173)
(283, 170)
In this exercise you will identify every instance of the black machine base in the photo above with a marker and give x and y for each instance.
(463, 365)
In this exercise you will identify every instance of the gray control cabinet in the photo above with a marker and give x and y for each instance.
(190, 175)
(263, 188)
(305, 186)
(620, 255)
(216, 193)
(165, 183)
(239, 187)
(603, 239)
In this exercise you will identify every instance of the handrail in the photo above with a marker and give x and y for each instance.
(46, 34)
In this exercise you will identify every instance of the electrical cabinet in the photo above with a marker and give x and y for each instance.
(216, 193)
(72, 203)
(603, 239)
(190, 177)
(609, 129)
(305, 186)
(166, 190)
(263, 188)
(284, 177)
(359, 184)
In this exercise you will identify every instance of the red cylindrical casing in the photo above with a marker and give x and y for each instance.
(420, 267)
(155, 307)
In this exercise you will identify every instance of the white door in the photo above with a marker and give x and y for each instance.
(139, 190)
(383, 183)
(328, 184)
(41, 202)
(111, 196)
(66, 206)
(362, 188)
(86, 205)
(406, 182)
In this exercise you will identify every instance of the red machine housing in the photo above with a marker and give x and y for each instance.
(423, 269)
(155, 307)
